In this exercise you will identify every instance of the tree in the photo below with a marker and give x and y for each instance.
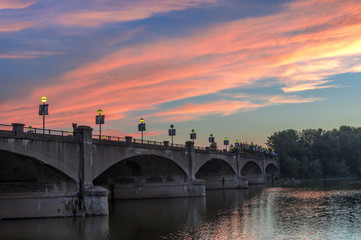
(213, 146)
(314, 153)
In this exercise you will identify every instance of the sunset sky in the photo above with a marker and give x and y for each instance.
(241, 69)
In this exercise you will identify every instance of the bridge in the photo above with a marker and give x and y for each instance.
(48, 175)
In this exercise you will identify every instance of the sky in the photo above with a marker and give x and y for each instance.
(241, 69)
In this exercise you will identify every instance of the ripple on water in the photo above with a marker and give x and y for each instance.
(285, 213)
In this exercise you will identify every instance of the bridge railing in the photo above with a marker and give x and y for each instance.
(6, 127)
(134, 140)
(177, 145)
(31, 130)
(110, 138)
(200, 148)
(47, 131)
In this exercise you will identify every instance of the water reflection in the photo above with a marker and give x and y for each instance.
(150, 219)
(55, 228)
(317, 210)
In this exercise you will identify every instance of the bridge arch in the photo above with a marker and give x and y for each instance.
(251, 168)
(20, 173)
(105, 157)
(217, 173)
(216, 165)
(253, 172)
(271, 168)
(142, 165)
(66, 163)
(145, 172)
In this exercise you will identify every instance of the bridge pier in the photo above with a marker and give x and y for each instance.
(30, 188)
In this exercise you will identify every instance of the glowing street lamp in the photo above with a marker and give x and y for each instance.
(43, 110)
(193, 135)
(171, 132)
(141, 126)
(100, 119)
(226, 142)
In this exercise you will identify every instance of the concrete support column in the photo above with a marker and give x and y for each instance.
(238, 163)
(84, 133)
(263, 165)
(91, 200)
(18, 129)
(191, 160)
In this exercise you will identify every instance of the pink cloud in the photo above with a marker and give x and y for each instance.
(15, 26)
(301, 46)
(227, 107)
(10, 56)
(15, 4)
(126, 11)
(28, 55)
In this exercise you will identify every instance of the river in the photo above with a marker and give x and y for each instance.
(318, 210)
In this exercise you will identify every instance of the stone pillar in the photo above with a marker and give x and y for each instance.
(91, 200)
(242, 181)
(191, 161)
(18, 129)
(84, 133)
(263, 165)
(238, 162)
(166, 144)
(128, 139)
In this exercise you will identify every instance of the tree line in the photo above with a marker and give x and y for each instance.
(314, 153)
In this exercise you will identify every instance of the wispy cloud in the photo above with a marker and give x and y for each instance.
(191, 111)
(124, 11)
(15, 4)
(301, 46)
(11, 56)
(15, 26)
(28, 55)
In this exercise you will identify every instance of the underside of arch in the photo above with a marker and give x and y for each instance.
(19, 173)
(251, 169)
(140, 172)
(217, 174)
(253, 173)
(271, 168)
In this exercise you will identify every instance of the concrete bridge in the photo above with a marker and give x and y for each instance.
(45, 175)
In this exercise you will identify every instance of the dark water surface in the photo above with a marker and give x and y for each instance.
(317, 210)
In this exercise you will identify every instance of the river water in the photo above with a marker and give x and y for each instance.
(318, 210)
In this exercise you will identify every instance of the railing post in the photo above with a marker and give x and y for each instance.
(18, 129)
(166, 144)
(128, 139)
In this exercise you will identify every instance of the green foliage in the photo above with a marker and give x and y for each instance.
(313, 153)
(213, 146)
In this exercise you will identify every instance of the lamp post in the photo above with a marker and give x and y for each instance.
(213, 144)
(226, 142)
(236, 144)
(141, 126)
(171, 132)
(43, 110)
(211, 138)
(193, 135)
(100, 120)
